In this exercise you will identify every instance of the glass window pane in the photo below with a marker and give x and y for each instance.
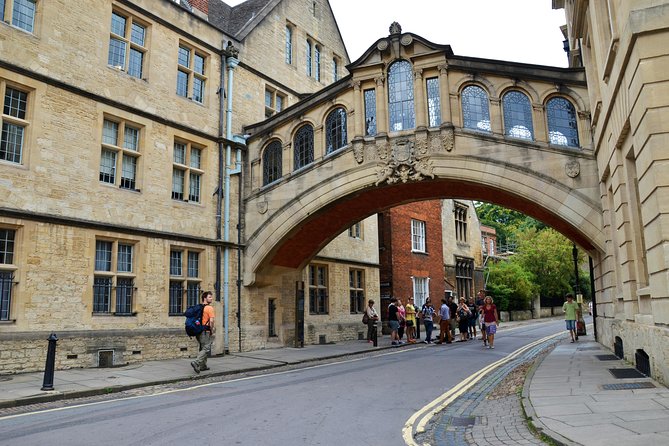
(304, 147)
(178, 184)
(11, 143)
(131, 138)
(108, 166)
(400, 96)
(193, 264)
(475, 109)
(195, 180)
(289, 45)
(179, 153)
(271, 162)
(124, 258)
(102, 294)
(182, 83)
(562, 123)
(2, 9)
(335, 130)
(198, 90)
(135, 64)
(6, 280)
(23, 15)
(16, 103)
(308, 62)
(370, 112)
(184, 56)
(176, 297)
(137, 34)
(118, 24)
(103, 255)
(433, 102)
(199, 64)
(279, 103)
(110, 132)
(317, 55)
(7, 246)
(176, 263)
(517, 115)
(195, 158)
(116, 53)
(128, 172)
(124, 291)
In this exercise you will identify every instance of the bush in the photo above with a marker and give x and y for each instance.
(511, 286)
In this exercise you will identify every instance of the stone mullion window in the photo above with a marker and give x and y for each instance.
(370, 112)
(464, 276)
(120, 151)
(185, 280)
(460, 223)
(289, 45)
(274, 102)
(20, 13)
(356, 284)
(114, 278)
(191, 73)
(187, 173)
(127, 44)
(7, 271)
(14, 123)
(401, 111)
(355, 231)
(318, 289)
(303, 147)
(433, 102)
(562, 123)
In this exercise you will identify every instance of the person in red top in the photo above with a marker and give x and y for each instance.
(206, 338)
(491, 319)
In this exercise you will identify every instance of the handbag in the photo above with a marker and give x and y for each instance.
(365, 318)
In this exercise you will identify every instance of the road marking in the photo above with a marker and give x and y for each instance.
(420, 419)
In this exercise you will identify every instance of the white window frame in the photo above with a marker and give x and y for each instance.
(418, 236)
(421, 290)
(15, 122)
(123, 150)
(9, 14)
(129, 43)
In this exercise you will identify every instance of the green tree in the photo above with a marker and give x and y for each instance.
(506, 222)
(511, 285)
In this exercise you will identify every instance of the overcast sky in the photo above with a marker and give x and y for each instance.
(514, 30)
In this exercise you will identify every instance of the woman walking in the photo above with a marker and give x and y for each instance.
(463, 315)
(427, 312)
(372, 317)
(491, 320)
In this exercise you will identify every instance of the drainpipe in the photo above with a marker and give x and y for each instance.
(230, 54)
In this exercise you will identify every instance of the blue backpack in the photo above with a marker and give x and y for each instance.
(194, 320)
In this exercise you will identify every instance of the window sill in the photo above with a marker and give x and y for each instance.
(114, 315)
(8, 322)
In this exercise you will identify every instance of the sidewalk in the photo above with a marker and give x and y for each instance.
(570, 396)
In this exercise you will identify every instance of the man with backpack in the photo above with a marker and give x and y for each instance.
(206, 338)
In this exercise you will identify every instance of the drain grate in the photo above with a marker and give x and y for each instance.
(607, 357)
(628, 386)
(463, 421)
(626, 373)
(585, 349)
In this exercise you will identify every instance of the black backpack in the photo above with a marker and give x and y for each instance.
(194, 320)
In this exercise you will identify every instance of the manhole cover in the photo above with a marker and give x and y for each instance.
(463, 421)
(628, 386)
(607, 357)
(626, 373)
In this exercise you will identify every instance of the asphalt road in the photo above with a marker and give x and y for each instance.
(359, 401)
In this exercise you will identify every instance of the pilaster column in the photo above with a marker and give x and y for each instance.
(496, 123)
(381, 106)
(584, 126)
(539, 123)
(445, 95)
(420, 105)
(358, 111)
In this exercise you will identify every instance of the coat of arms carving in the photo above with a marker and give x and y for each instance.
(403, 164)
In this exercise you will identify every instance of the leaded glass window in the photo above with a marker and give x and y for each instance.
(400, 96)
(370, 112)
(335, 130)
(562, 124)
(433, 102)
(103, 255)
(12, 137)
(303, 145)
(124, 290)
(308, 62)
(517, 115)
(317, 57)
(475, 109)
(23, 15)
(271, 163)
(289, 45)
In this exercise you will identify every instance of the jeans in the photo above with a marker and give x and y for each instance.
(428, 330)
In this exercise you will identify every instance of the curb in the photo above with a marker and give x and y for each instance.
(530, 413)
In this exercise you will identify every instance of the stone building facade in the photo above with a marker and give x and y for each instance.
(623, 47)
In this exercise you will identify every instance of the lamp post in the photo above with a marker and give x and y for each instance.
(580, 322)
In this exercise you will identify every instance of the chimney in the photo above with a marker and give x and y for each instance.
(200, 5)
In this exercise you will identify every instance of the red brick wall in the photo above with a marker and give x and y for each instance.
(202, 5)
(398, 263)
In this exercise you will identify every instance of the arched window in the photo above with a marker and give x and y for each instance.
(335, 130)
(562, 127)
(303, 146)
(400, 96)
(517, 115)
(271, 163)
(475, 109)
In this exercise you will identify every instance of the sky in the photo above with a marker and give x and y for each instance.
(525, 31)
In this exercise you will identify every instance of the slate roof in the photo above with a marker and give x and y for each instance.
(239, 20)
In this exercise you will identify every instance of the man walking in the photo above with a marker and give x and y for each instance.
(570, 307)
(206, 338)
(393, 321)
(444, 323)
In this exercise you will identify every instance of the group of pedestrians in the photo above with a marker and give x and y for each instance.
(466, 315)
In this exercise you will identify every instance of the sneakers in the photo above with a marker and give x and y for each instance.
(204, 368)
(195, 366)
(492, 347)
(394, 343)
(487, 346)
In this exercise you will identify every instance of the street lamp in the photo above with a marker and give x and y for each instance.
(580, 323)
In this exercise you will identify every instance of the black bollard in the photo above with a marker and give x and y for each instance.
(50, 366)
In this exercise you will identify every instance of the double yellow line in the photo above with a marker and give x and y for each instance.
(420, 419)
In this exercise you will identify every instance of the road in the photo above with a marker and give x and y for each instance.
(359, 401)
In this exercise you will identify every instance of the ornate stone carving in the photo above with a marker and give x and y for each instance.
(382, 149)
(573, 169)
(395, 28)
(403, 164)
(358, 151)
(448, 139)
(261, 206)
(382, 45)
(406, 40)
